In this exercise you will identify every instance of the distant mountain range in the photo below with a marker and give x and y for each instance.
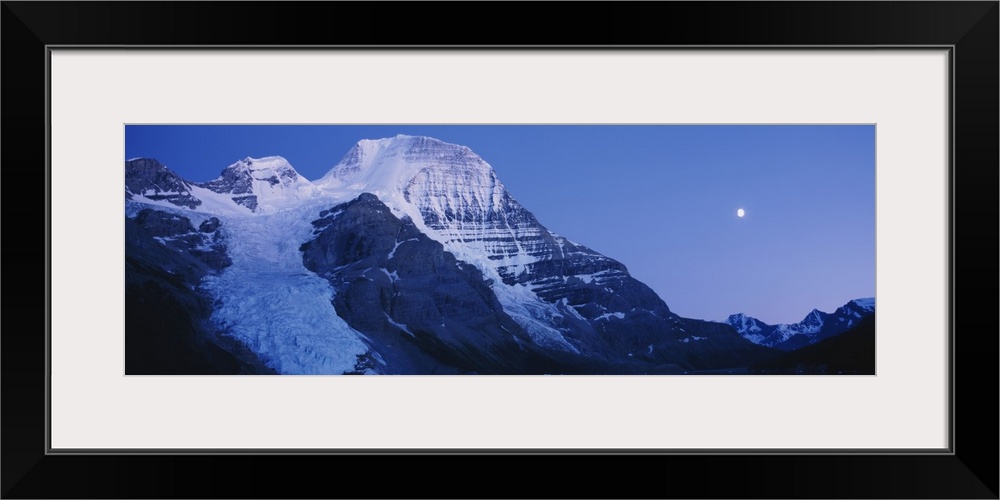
(849, 353)
(815, 327)
(408, 257)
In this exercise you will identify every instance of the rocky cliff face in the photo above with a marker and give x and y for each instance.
(152, 180)
(422, 310)
(178, 233)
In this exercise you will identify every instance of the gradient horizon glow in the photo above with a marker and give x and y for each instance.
(661, 199)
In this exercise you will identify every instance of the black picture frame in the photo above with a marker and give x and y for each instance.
(970, 29)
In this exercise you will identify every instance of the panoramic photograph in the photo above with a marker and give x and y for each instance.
(499, 249)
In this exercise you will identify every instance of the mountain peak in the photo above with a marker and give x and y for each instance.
(389, 165)
(263, 185)
(742, 322)
(144, 162)
(414, 146)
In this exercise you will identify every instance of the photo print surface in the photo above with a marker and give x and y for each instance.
(500, 249)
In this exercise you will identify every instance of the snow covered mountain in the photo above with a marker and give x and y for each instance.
(555, 289)
(264, 185)
(408, 256)
(815, 327)
(450, 193)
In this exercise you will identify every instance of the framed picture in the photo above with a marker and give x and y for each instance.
(918, 80)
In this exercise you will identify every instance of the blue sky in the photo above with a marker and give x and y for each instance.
(661, 199)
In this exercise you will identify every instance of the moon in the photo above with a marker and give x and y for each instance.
(740, 213)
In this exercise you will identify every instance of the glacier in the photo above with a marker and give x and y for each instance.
(268, 299)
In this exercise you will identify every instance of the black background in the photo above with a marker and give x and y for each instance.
(972, 472)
